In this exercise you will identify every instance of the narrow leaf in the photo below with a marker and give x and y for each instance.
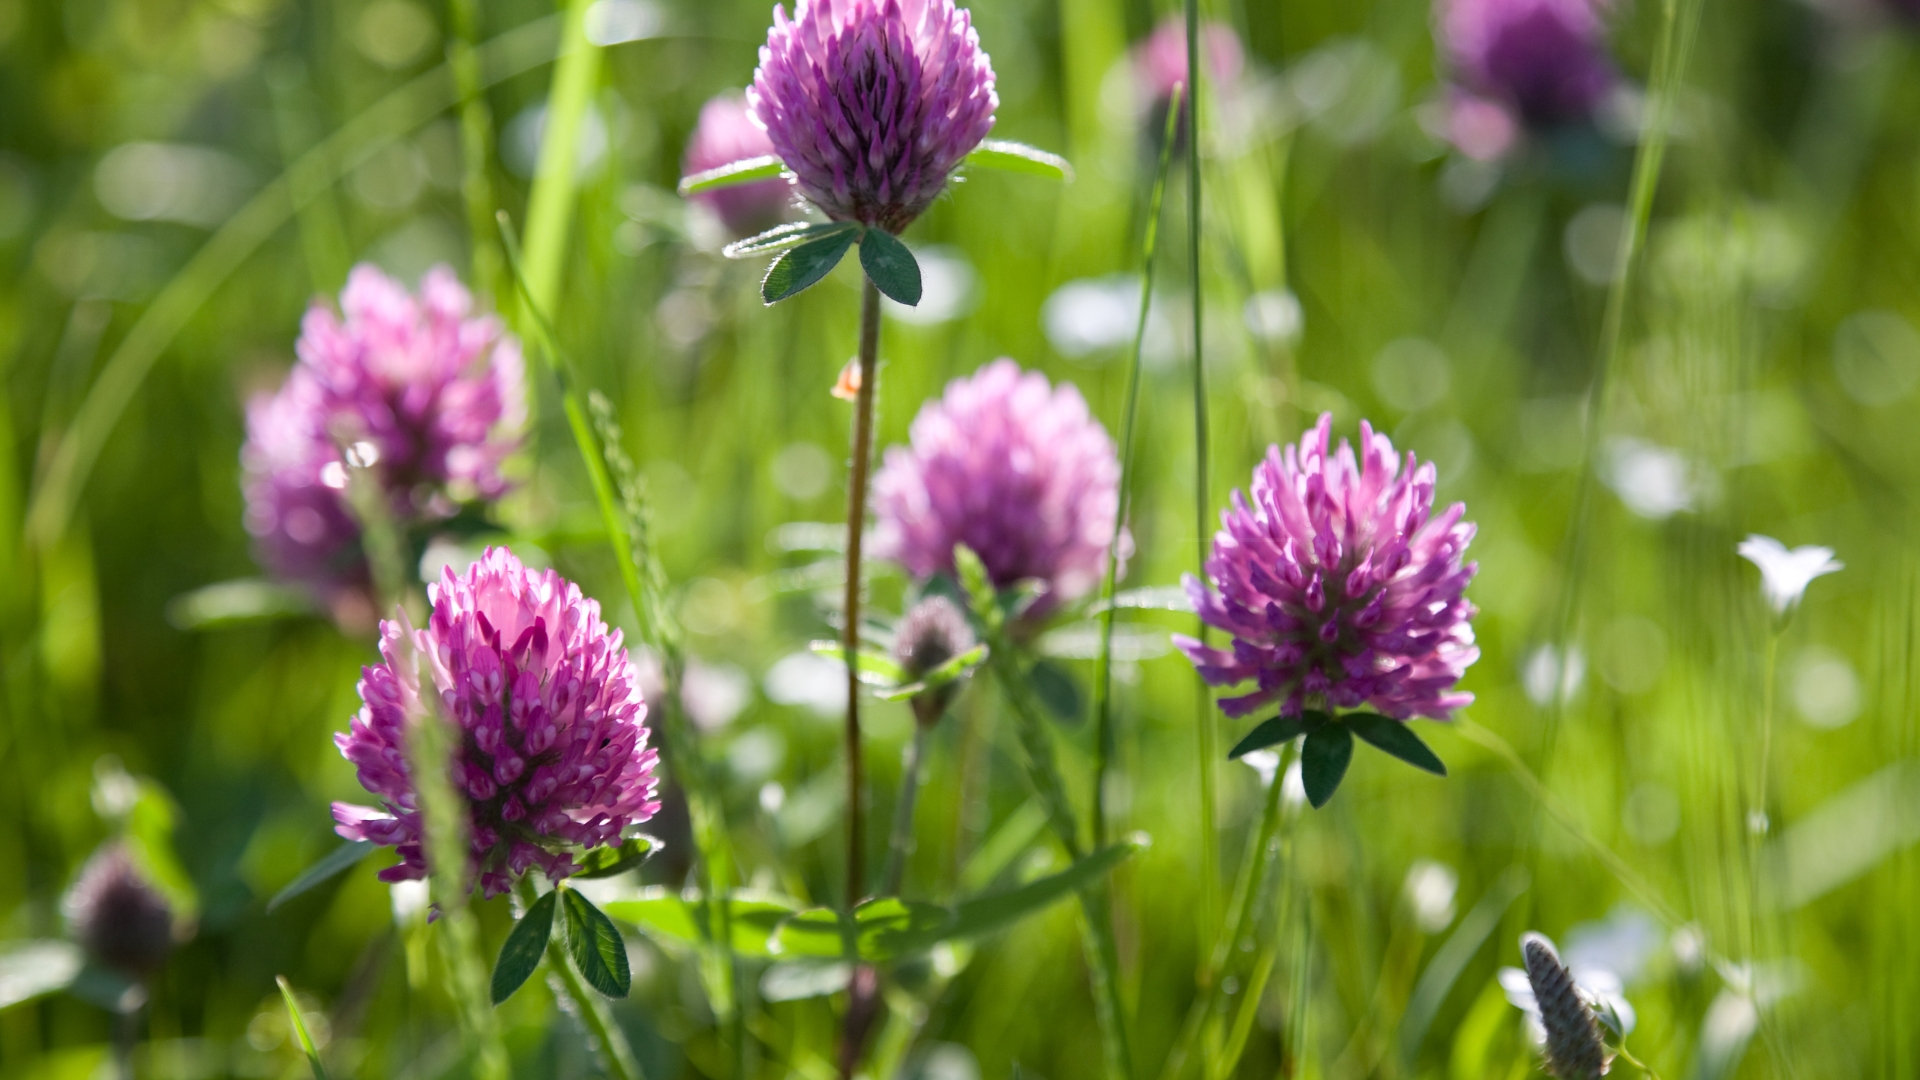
(801, 267)
(804, 979)
(889, 928)
(1020, 158)
(875, 668)
(940, 676)
(596, 947)
(785, 236)
(525, 944)
(1396, 738)
(682, 918)
(980, 596)
(1275, 731)
(734, 172)
(817, 933)
(1056, 690)
(334, 863)
(617, 859)
(890, 266)
(986, 914)
(300, 1029)
(1323, 761)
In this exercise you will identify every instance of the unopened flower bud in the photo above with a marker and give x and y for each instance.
(118, 916)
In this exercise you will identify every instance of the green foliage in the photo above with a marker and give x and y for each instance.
(526, 943)
(300, 1032)
(745, 171)
(890, 266)
(594, 943)
(603, 862)
(331, 865)
(799, 268)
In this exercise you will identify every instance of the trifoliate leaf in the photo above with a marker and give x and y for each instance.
(1323, 761)
(1396, 738)
(524, 947)
(890, 266)
(801, 267)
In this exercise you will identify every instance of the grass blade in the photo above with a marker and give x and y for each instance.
(300, 1033)
(335, 862)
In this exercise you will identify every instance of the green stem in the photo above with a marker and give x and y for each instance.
(1670, 58)
(1242, 912)
(609, 1041)
(1103, 957)
(1103, 661)
(900, 844)
(476, 149)
(1206, 727)
(861, 463)
(550, 204)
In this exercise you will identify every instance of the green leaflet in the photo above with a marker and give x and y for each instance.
(595, 944)
(524, 947)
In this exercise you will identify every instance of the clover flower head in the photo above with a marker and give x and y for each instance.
(295, 488)
(1563, 1011)
(1015, 469)
(1338, 585)
(1785, 574)
(872, 104)
(1538, 63)
(726, 133)
(430, 400)
(553, 758)
(118, 916)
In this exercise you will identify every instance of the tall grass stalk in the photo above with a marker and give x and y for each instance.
(419, 101)
(550, 203)
(623, 514)
(1205, 724)
(1249, 898)
(1679, 19)
(1103, 746)
(476, 150)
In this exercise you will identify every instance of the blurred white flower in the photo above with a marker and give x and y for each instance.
(1431, 887)
(947, 288)
(810, 680)
(1653, 481)
(1785, 574)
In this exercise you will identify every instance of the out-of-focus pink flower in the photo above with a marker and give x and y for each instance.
(552, 759)
(1541, 63)
(1338, 586)
(1160, 61)
(873, 103)
(725, 134)
(1015, 469)
(426, 397)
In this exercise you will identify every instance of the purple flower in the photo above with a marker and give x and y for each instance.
(1015, 469)
(873, 103)
(553, 756)
(1338, 586)
(725, 134)
(1540, 62)
(118, 915)
(432, 400)
(296, 500)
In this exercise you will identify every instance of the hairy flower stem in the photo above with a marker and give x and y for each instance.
(1249, 899)
(1103, 661)
(610, 1043)
(430, 749)
(850, 633)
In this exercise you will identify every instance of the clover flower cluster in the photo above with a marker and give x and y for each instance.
(1015, 469)
(552, 759)
(1338, 585)
(118, 916)
(726, 133)
(1521, 65)
(428, 399)
(872, 104)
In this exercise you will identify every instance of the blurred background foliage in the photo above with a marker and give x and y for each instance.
(1352, 262)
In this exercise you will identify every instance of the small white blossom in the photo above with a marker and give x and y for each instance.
(1785, 574)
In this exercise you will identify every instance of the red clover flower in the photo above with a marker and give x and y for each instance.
(553, 755)
(1337, 584)
(1014, 468)
(872, 104)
